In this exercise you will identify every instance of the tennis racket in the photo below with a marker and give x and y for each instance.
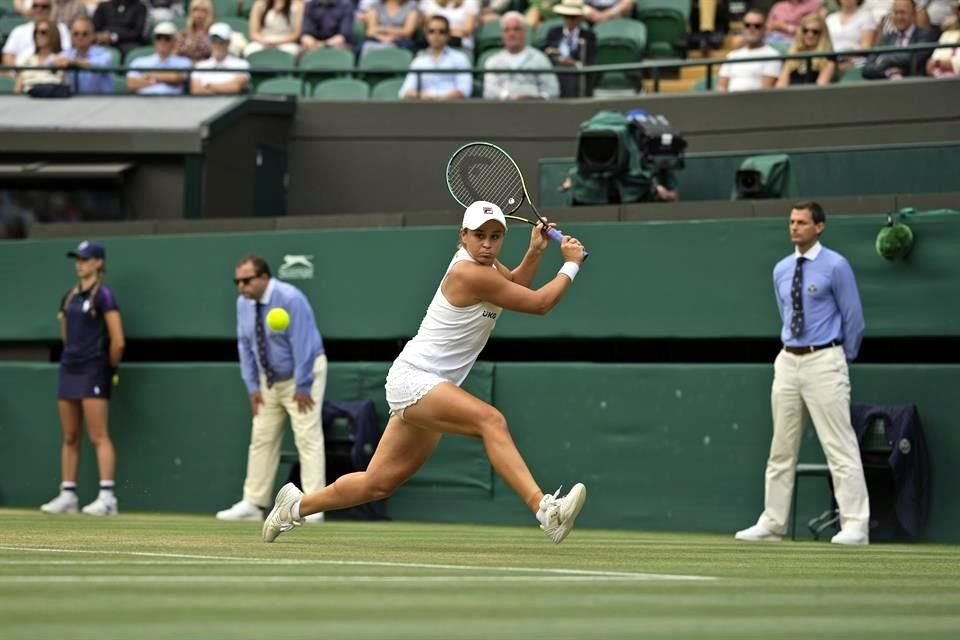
(484, 171)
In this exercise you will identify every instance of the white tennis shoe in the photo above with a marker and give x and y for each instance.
(281, 519)
(557, 515)
(240, 512)
(66, 502)
(757, 533)
(102, 506)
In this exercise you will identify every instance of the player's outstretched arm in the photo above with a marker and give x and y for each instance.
(482, 283)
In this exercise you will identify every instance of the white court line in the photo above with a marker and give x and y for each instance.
(368, 563)
(324, 579)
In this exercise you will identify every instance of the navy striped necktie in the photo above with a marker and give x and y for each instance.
(262, 347)
(796, 297)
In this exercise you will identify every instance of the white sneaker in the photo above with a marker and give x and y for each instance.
(314, 518)
(65, 502)
(557, 515)
(102, 506)
(851, 537)
(241, 511)
(757, 533)
(280, 519)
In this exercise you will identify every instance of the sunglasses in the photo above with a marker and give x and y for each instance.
(815, 32)
(162, 36)
(753, 25)
(40, 6)
(440, 31)
(245, 281)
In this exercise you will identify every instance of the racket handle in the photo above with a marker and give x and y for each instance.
(557, 236)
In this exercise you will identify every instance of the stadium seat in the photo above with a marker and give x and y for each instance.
(853, 74)
(339, 61)
(539, 39)
(701, 84)
(347, 89)
(478, 78)
(138, 52)
(666, 23)
(238, 24)
(388, 89)
(225, 9)
(119, 84)
(115, 55)
(6, 84)
(8, 24)
(393, 59)
(266, 60)
(619, 42)
(281, 87)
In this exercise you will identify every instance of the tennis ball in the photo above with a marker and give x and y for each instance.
(278, 319)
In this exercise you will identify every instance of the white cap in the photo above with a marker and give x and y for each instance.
(220, 30)
(480, 212)
(165, 28)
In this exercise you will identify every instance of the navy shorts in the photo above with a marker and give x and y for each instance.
(91, 382)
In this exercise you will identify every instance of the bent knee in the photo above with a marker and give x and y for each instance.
(381, 488)
(493, 424)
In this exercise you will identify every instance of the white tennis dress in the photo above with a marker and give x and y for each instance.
(446, 346)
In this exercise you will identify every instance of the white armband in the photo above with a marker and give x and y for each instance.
(570, 269)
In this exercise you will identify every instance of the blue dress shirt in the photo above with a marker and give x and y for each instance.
(831, 301)
(439, 84)
(153, 61)
(88, 81)
(291, 352)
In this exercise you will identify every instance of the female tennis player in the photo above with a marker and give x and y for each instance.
(423, 385)
(93, 343)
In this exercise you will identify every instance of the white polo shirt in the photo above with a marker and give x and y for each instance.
(20, 40)
(218, 77)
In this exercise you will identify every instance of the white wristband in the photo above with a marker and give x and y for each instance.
(570, 269)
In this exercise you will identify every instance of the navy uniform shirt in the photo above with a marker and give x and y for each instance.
(87, 342)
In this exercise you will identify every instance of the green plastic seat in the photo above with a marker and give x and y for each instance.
(283, 86)
(388, 62)
(346, 89)
(334, 62)
(619, 42)
(269, 60)
(388, 89)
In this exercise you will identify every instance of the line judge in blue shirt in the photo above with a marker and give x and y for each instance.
(285, 373)
(822, 329)
(438, 86)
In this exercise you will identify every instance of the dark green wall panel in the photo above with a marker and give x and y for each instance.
(666, 447)
(706, 279)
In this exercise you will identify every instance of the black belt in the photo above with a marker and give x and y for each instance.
(800, 351)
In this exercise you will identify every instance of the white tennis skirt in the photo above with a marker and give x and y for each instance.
(406, 384)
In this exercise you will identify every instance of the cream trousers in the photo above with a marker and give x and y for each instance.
(267, 436)
(819, 383)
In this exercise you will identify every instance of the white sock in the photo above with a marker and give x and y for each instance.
(69, 486)
(295, 510)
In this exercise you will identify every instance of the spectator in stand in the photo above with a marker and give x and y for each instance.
(203, 81)
(897, 65)
(517, 55)
(194, 40)
(120, 24)
(945, 63)
(327, 23)
(20, 41)
(391, 23)
(275, 24)
(66, 11)
(784, 19)
(170, 80)
(463, 16)
(438, 86)
(598, 11)
(82, 56)
(572, 45)
(46, 43)
(852, 27)
(811, 37)
(748, 76)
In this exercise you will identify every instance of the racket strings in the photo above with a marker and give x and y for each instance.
(483, 172)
